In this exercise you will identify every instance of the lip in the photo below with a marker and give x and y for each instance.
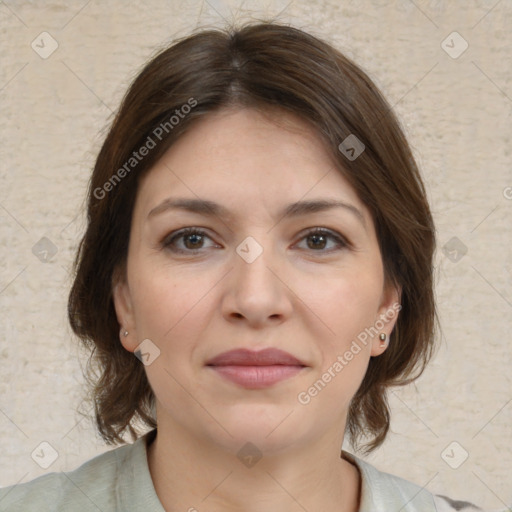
(256, 370)
(245, 357)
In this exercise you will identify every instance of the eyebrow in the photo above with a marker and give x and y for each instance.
(211, 208)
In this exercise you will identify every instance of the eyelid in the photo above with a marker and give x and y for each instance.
(340, 239)
(177, 234)
(322, 229)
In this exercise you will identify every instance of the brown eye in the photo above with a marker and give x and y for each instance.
(193, 240)
(317, 240)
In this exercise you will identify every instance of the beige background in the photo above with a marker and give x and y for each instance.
(457, 113)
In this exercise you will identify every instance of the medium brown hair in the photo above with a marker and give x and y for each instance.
(264, 65)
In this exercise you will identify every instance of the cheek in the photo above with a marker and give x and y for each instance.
(171, 311)
(156, 307)
(170, 308)
(347, 304)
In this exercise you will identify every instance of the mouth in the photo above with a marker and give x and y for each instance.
(256, 370)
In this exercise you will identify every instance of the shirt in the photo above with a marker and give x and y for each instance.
(119, 480)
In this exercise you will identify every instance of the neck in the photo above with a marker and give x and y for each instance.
(193, 475)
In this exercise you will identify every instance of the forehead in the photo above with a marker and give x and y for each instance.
(245, 157)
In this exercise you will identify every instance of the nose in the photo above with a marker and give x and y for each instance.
(256, 290)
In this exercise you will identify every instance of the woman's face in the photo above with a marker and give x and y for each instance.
(307, 280)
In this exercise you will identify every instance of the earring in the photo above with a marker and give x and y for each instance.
(382, 337)
(124, 332)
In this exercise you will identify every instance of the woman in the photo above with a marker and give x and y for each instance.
(256, 272)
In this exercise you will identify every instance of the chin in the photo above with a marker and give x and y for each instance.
(270, 428)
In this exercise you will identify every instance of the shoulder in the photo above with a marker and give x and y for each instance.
(92, 486)
(381, 492)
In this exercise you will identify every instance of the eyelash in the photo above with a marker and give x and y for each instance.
(170, 239)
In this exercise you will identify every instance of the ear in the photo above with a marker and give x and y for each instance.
(387, 316)
(124, 310)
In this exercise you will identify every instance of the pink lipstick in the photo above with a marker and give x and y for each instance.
(256, 370)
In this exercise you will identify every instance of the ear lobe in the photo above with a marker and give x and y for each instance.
(124, 312)
(388, 315)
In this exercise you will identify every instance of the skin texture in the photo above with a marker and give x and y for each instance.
(306, 296)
